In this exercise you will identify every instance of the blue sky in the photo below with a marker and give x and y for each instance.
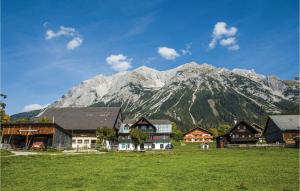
(49, 46)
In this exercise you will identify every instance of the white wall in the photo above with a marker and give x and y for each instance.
(83, 143)
(130, 146)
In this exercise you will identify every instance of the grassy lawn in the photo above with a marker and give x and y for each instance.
(5, 153)
(184, 168)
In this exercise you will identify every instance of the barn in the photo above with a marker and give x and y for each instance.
(82, 122)
(35, 135)
(282, 129)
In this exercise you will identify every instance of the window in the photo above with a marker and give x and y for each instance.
(153, 146)
(86, 141)
(93, 141)
(79, 141)
(123, 146)
(73, 141)
(161, 146)
(249, 135)
(243, 136)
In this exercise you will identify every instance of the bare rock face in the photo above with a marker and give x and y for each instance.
(189, 94)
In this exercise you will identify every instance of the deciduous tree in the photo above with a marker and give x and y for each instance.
(176, 132)
(104, 135)
(4, 118)
(138, 137)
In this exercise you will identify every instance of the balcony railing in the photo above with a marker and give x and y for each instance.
(237, 139)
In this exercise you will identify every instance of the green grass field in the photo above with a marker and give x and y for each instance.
(5, 153)
(184, 168)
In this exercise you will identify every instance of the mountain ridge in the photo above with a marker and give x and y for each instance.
(190, 94)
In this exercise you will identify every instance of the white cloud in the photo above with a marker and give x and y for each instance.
(75, 42)
(34, 106)
(67, 32)
(63, 31)
(167, 53)
(119, 62)
(228, 41)
(187, 49)
(225, 36)
(222, 29)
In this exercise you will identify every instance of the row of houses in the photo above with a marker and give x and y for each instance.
(76, 128)
(279, 129)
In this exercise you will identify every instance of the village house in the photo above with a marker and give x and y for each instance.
(82, 123)
(76, 128)
(241, 133)
(158, 132)
(282, 129)
(197, 135)
(35, 135)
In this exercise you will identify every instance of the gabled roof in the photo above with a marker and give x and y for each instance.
(143, 119)
(152, 121)
(197, 128)
(83, 118)
(286, 122)
(255, 127)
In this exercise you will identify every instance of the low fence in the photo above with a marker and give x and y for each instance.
(257, 145)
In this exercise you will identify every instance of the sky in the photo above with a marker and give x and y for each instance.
(49, 46)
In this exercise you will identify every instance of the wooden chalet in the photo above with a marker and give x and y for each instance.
(26, 135)
(241, 133)
(282, 129)
(158, 132)
(198, 135)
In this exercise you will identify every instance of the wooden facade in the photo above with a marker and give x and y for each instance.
(24, 135)
(197, 135)
(241, 133)
(282, 129)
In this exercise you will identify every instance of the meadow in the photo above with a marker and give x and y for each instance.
(183, 168)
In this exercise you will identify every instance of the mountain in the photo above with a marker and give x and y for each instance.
(191, 94)
(27, 115)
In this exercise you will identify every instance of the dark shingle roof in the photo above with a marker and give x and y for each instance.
(82, 118)
(286, 122)
(152, 121)
(254, 127)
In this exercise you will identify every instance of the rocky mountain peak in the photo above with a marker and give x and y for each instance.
(189, 94)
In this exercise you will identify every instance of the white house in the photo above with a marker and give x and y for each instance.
(158, 132)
